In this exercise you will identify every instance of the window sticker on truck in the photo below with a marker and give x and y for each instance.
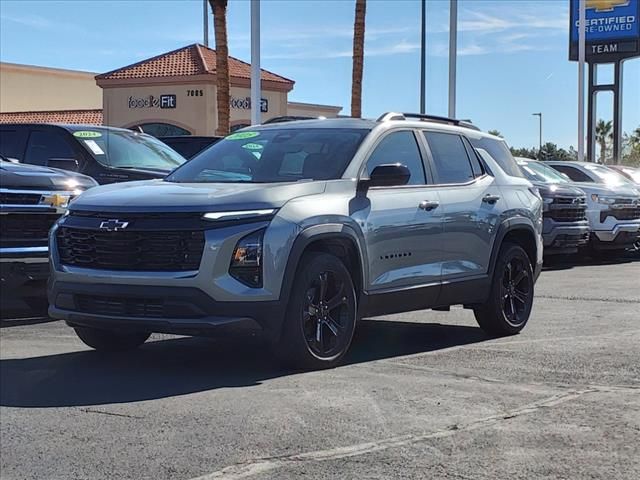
(95, 148)
(242, 135)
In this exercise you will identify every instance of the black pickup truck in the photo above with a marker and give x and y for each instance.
(107, 154)
(32, 198)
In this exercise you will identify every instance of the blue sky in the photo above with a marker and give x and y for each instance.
(512, 53)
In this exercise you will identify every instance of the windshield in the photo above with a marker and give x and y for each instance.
(633, 173)
(607, 175)
(122, 149)
(274, 155)
(539, 172)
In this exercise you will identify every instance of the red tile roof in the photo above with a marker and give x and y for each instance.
(89, 117)
(193, 59)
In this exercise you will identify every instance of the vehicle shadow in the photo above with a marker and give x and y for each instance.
(570, 261)
(184, 365)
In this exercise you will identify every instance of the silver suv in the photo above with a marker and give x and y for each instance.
(301, 228)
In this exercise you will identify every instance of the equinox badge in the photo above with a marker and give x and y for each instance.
(113, 225)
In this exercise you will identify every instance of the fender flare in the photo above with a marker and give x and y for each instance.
(508, 225)
(313, 233)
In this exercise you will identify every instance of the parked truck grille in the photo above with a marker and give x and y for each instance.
(569, 200)
(573, 214)
(627, 213)
(14, 198)
(24, 229)
(131, 250)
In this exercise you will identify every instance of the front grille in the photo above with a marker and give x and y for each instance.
(630, 213)
(567, 214)
(131, 250)
(134, 307)
(25, 229)
(13, 198)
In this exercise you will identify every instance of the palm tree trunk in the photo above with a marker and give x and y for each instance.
(358, 59)
(603, 151)
(223, 100)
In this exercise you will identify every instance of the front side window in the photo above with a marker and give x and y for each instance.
(399, 147)
(44, 145)
(450, 158)
(274, 155)
(12, 143)
(124, 149)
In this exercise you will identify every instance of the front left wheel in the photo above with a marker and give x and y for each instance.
(321, 314)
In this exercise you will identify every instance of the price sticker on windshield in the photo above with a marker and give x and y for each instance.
(86, 134)
(95, 148)
(242, 135)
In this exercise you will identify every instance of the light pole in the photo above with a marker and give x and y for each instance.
(423, 68)
(256, 112)
(453, 54)
(539, 114)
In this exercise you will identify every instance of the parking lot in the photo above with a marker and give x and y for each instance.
(423, 395)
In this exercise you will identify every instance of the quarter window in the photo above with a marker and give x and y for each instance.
(399, 147)
(45, 145)
(449, 157)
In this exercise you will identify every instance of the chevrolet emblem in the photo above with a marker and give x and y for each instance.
(54, 200)
(606, 5)
(113, 225)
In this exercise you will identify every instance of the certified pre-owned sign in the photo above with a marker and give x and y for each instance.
(612, 30)
(163, 101)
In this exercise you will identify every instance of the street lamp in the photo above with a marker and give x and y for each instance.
(539, 114)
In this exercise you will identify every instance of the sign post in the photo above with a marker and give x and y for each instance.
(581, 60)
(256, 117)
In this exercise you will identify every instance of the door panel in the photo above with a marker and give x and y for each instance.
(403, 240)
(471, 214)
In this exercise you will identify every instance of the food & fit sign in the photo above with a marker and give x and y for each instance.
(612, 30)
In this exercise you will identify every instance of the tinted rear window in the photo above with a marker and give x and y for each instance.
(500, 152)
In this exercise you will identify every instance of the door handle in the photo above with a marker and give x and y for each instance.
(428, 205)
(490, 199)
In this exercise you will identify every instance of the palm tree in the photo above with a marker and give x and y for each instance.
(219, 8)
(495, 133)
(604, 134)
(634, 138)
(358, 59)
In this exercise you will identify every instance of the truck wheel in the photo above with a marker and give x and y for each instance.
(321, 314)
(110, 341)
(507, 310)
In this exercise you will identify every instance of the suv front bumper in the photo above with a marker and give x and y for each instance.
(621, 237)
(173, 310)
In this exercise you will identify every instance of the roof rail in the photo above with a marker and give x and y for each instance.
(385, 117)
(432, 118)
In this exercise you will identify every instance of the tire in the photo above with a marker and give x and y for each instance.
(508, 308)
(320, 321)
(109, 340)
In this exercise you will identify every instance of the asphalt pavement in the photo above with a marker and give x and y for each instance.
(422, 395)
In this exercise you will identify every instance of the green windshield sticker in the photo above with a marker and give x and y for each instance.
(242, 135)
(252, 146)
(86, 134)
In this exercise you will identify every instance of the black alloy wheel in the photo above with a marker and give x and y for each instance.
(321, 314)
(516, 292)
(325, 315)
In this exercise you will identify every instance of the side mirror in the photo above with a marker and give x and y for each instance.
(389, 175)
(63, 163)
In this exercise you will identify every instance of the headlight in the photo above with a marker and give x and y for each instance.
(239, 215)
(547, 200)
(603, 199)
(246, 262)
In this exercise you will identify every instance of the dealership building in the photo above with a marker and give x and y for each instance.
(171, 94)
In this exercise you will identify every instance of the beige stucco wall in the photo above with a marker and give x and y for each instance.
(312, 110)
(25, 88)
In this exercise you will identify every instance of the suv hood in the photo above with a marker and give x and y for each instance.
(163, 196)
(21, 175)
